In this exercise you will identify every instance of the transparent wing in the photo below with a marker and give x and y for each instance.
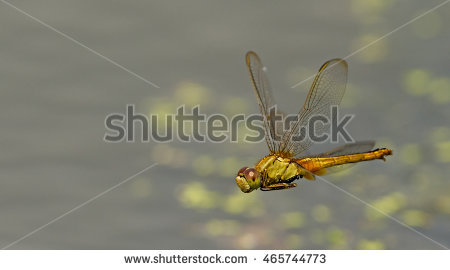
(350, 148)
(263, 92)
(327, 90)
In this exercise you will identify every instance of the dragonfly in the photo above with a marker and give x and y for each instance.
(289, 159)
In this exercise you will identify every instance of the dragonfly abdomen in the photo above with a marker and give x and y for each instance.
(315, 164)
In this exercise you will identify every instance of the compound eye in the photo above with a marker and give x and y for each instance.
(251, 174)
(241, 171)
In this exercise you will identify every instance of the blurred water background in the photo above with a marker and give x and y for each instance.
(55, 95)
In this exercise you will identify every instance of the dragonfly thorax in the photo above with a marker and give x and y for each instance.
(276, 168)
(269, 171)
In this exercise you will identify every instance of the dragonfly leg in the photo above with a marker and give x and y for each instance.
(278, 186)
(290, 180)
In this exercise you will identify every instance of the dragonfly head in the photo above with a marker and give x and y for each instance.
(248, 179)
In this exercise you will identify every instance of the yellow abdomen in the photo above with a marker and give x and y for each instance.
(316, 164)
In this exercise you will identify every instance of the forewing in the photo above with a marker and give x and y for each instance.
(327, 90)
(263, 92)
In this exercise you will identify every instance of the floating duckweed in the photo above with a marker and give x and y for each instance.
(229, 167)
(247, 241)
(235, 105)
(226, 227)
(250, 205)
(415, 218)
(292, 220)
(337, 238)
(416, 81)
(420, 82)
(410, 154)
(293, 241)
(443, 151)
(443, 204)
(191, 93)
(370, 7)
(428, 26)
(203, 165)
(376, 52)
(195, 195)
(161, 107)
(440, 91)
(140, 188)
(388, 204)
(371, 245)
(321, 213)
